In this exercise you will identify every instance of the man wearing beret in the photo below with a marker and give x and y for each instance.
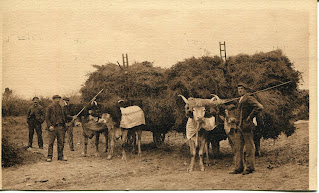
(248, 107)
(69, 123)
(35, 118)
(56, 119)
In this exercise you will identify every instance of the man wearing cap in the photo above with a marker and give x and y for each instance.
(69, 123)
(35, 118)
(56, 119)
(248, 107)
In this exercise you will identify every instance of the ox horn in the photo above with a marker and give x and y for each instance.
(216, 99)
(215, 96)
(184, 99)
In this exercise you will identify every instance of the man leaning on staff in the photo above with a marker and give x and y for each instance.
(248, 107)
(56, 119)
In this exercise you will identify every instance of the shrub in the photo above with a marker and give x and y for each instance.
(11, 155)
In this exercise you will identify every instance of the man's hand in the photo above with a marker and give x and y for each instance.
(74, 118)
(51, 128)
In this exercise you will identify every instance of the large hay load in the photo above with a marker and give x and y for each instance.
(145, 85)
(158, 88)
(200, 77)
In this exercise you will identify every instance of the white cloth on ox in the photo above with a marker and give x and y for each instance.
(208, 124)
(132, 116)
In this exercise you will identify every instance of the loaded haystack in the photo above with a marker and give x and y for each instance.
(158, 88)
(141, 84)
(264, 70)
(200, 77)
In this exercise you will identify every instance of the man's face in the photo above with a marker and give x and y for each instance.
(241, 90)
(56, 100)
(35, 102)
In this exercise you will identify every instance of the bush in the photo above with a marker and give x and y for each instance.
(14, 106)
(11, 155)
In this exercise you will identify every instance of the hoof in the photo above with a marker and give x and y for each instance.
(83, 154)
(139, 155)
(97, 155)
(124, 158)
(202, 169)
(189, 169)
(257, 154)
(109, 157)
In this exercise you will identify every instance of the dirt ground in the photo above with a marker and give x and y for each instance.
(284, 165)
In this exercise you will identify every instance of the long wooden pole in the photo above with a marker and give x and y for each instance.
(230, 100)
(89, 103)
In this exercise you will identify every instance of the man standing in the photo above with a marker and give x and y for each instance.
(248, 107)
(56, 119)
(69, 124)
(35, 118)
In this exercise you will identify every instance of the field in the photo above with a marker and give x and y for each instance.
(284, 165)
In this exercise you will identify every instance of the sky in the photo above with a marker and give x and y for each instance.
(50, 46)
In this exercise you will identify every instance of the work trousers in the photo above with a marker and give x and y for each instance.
(59, 134)
(240, 140)
(70, 135)
(34, 125)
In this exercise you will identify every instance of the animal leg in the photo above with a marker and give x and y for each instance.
(215, 148)
(97, 140)
(105, 133)
(111, 141)
(206, 150)
(200, 153)
(257, 145)
(124, 143)
(139, 137)
(193, 154)
(131, 139)
(85, 147)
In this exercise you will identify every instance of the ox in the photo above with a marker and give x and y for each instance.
(231, 122)
(89, 121)
(132, 123)
(197, 127)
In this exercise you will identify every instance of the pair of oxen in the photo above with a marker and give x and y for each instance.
(201, 122)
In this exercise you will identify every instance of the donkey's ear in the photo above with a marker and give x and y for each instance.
(184, 99)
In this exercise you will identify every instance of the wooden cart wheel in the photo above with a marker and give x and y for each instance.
(158, 138)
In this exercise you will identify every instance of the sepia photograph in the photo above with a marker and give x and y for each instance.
(159, 95)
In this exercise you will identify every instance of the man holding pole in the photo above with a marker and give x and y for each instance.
(248, 107)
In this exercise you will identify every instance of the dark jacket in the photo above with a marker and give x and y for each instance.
(248, 107)
(52, 115)
(67, 111)
(35, 114)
